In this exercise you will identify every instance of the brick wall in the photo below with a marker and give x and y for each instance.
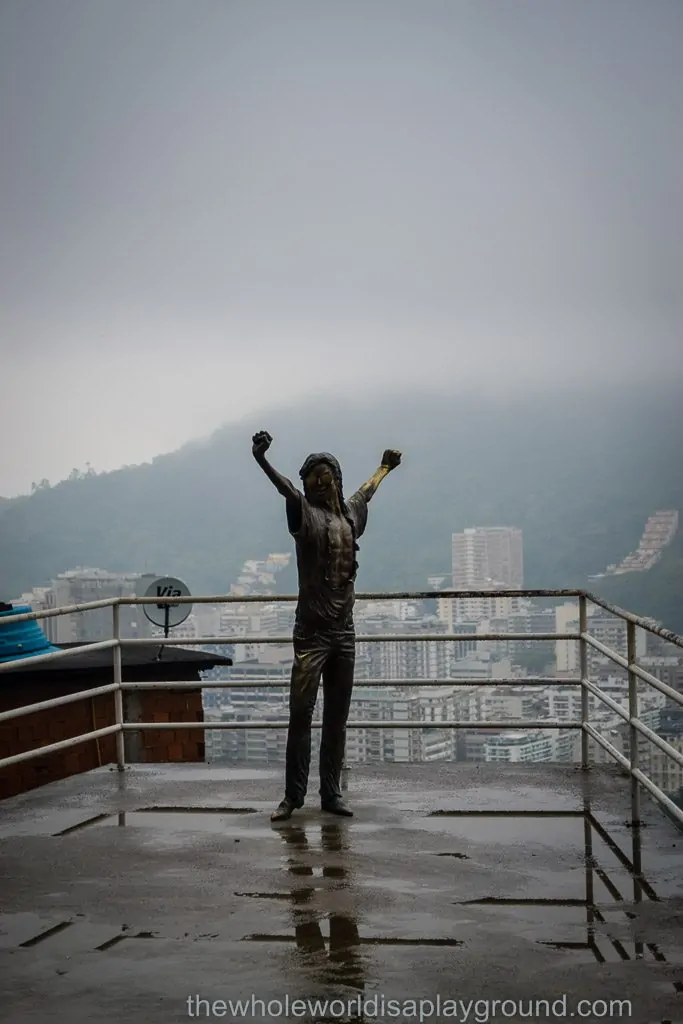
(161, 745)
(68, 720)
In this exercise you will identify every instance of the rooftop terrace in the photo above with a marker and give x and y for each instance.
(160, 892)
(125, 895)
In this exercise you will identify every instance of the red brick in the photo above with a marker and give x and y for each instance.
(42, 728)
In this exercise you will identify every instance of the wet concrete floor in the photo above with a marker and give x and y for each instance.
(163, 893)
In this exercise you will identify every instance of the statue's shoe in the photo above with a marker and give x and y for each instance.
(337, 807)
(284, 810)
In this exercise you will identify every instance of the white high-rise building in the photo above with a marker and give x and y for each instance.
(487, 558)
(83, 586)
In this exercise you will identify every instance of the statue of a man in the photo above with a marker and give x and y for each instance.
(326, 528)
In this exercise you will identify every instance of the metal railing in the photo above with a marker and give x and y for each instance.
(118, 686)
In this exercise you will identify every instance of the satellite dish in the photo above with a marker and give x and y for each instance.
(165, 613)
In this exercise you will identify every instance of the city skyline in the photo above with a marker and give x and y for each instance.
(487, 678)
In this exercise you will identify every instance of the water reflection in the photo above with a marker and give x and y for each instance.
(599, 942)
(341, 960)
(324, 893)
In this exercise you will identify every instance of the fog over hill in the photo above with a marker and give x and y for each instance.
(579, 472)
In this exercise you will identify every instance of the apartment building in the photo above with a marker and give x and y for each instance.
(554, 745)
(525, 620)
(384, 744)
(83, 586)
(514, 702)
(405, 659)
(238, 746)
(487, 558)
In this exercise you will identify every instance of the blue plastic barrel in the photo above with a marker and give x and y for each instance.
(22, 639)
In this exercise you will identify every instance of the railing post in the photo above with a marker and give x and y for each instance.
(633, 715)
(583, 662)
(118, 692)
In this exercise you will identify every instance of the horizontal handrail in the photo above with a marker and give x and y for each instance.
(606, 745)
(70, 652)
(509, 725)
(361, 638)
(67, 609)
(52, 748)
(658, 794)
(597, 645)
(641, 673)
(645, 730)
(55, 702)
(379, 596)
(636, 773)
(664, 688)
(642, 622)
(652, 736)
(375, 596)
(268, 684)
(605, 698)
(431, 595)
(637, 620)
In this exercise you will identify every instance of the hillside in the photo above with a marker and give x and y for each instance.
(579, 473)
(657, 592)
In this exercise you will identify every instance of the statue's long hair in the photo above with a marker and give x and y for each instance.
(314, 460)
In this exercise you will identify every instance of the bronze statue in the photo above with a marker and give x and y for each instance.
(326, 528)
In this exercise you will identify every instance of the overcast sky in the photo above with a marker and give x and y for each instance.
(208, 206)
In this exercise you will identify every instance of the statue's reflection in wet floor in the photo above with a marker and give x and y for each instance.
(343, 960)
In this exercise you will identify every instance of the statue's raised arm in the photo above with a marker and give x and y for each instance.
(390, 460)
(261, 442)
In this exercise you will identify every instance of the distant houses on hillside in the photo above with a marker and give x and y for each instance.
(660, 530)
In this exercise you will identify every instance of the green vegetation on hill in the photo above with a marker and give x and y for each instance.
(579, 473)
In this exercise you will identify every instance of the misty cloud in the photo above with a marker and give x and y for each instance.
(209, 207)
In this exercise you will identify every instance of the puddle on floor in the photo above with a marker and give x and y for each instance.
(550, 831)
(175, 820)
(230, 821)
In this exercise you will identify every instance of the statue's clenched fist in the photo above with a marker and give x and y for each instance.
(391, 458)
(261, 442)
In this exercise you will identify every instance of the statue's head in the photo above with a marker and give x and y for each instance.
(322, 479)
